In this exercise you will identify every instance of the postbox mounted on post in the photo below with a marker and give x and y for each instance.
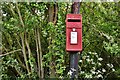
(73, 32)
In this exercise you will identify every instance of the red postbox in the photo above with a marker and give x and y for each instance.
(73, 32)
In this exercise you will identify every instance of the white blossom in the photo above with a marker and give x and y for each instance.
(98, 71)
(100, 76)
(113, 69)
(93, 72)
(99, 64)
(80, 60)
(103, 70)
(93, 62)
(87, 56)
(108, 65)
(100, 59)
(82, 72)
(70, 72)
(73, 69)
(88, 60)
(88, 76)
(90, 52)
(91, 59)
(111, 66)
(93, 68)
(60, 77)
(95, 53)
(4, 14)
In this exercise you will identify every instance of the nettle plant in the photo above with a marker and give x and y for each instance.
(90, 66)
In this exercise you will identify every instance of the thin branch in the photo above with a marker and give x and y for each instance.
(3, 48)
(22, 38)
(24, 53)
(20, 15)
(18, 72)
(11, 8)
(28, 48)
(10, 52)
(17, 38)
(21, 64)
(37, 50)
(39, 43)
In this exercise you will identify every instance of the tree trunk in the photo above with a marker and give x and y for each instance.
(53, 9)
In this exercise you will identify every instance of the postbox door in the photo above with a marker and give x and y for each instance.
(74, 32)
(73, 38)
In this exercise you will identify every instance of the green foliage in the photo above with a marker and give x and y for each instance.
(100, 57)
(100, 35)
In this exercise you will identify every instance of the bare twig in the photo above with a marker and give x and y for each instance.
(28, 48)
(24, 52)
(11, 8)
(20, 15)
(37, 50)
(39, 42)
(23, 39)
(10, 52)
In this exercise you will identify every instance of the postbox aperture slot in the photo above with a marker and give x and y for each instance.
(73, 20)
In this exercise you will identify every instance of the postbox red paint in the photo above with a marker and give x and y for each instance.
(73, 32)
